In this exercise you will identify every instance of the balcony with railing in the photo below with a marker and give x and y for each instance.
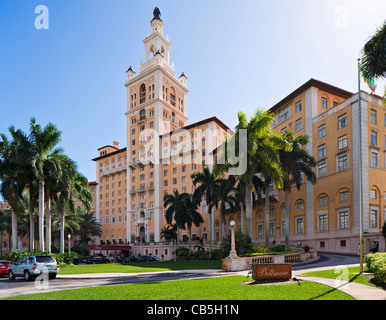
(172, 100)
(142, 119)
(142, 97)
(113, 169)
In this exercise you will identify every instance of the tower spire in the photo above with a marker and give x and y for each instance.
(156, 23)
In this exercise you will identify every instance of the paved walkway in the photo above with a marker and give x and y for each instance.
(358, 291)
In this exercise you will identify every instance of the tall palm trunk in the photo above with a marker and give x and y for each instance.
(222, 222)
(190, 241)
(286, 218)
(210, 229)
(267, 217)
(14, 229)
(41, 215)
(31, 224)
(48, 222)
(242, 216)
(61, 219)
(248, 211)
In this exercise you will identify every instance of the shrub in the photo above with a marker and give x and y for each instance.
(243, 244)
(59, 257)
(257, 249)
(200, 254)
(376, 263)
(216, 254)
(278, 248)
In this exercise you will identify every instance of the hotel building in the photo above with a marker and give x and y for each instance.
(162, 150)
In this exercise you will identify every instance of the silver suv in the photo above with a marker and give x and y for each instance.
(32, 266)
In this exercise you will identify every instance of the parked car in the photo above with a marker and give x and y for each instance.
(147, 258)
(97, 258)
(30, 267)
(4, 265)
(130, 259)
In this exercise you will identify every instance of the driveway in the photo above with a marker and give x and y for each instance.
(64, 282)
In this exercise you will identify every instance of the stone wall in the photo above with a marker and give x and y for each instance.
(240, 264)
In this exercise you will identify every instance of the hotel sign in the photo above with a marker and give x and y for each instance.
(271, 271)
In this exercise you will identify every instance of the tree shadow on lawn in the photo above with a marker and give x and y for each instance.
(337, 288)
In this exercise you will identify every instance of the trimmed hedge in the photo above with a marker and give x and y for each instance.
(59, 257)
(376, 263)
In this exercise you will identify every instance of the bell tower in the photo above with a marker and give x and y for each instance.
(156, 104)
(156, 43)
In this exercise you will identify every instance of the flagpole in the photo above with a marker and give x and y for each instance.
(360, 174)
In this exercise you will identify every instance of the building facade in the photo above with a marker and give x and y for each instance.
(162, 150)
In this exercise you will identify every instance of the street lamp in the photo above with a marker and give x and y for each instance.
(69, 244)
(232, 253)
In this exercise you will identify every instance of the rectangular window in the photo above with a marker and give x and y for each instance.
(373, 138)
(300, 225)
(373, 218)
(260, 233)
(342, 121)
(343, 196)
(298, 124)
(298, 107)
(322, 201)
(323, 225)
(272, 229)
(300, 206)
(342, 163)
(344, 220)
(322, 131)
(374, 159)
(322, 170)
(373, 194)
(373, 116)
(324, 103)
(284, 114)
(322, 151)
(342, 142)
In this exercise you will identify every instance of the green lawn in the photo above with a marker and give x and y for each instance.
(221, 288)
(352, 275)
(142, 267)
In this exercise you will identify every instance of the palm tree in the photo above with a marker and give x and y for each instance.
(12, 163)
(373, 62)
(240, 199)
(225, 198)
(257, 148)
(208, 187)
(69, 224)
(188, 215)
(43, 162)
(88, 226)
(294, 164)
(5, 226)
(169, 232)
(174, 204)
(73, 186)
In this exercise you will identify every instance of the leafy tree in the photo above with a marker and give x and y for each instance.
(258, 151)
(188, 216)
(295, 162)
(88, 226)
(225, 198)
(208, 187)
(169, 232)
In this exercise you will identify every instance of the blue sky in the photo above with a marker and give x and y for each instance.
(237, 55)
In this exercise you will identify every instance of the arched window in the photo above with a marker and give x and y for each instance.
(142, 93)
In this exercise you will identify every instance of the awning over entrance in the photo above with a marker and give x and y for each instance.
(108, 247)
